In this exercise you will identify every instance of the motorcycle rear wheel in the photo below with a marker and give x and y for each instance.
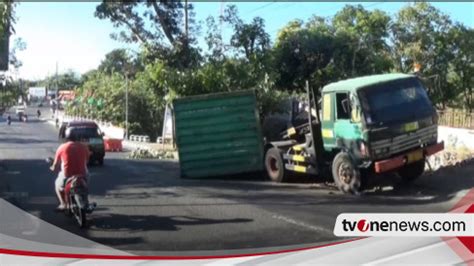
(79, 213)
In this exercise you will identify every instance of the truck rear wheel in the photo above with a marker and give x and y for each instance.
(412, 171)
(274, 165)
(346, 174)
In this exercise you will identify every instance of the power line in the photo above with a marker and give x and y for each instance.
(375, 4)
(262, 7)
(284, 6)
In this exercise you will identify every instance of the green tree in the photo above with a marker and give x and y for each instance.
(365, 33)
(150, 23)
(215, 44)
(64, 81)
(299, 53)
(107, 88)
(354, 42)
(115, 61)
(10, 93)
(461, 72)
(18, 45)
(421, 35)
(249, 38)
(7, 21)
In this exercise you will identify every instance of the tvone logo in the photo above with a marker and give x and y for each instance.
(363, 225)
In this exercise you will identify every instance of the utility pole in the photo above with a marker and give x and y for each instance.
(20, 87)
(56, 78)
(221, 15)
(126, 106)
(186, 30)
(186, 19)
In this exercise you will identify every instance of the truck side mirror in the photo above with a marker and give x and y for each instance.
(346, 106)
(355, 115)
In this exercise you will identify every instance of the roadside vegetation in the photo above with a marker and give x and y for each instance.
(11, 88)
(354, 42)
(455, 153)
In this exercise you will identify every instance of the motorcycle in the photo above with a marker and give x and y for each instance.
(76, 197)
(22, 117)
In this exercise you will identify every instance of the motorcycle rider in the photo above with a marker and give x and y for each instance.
(73, 157)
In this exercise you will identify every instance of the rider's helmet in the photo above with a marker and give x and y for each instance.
(69, 134)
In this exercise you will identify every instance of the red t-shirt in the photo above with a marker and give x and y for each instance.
(74, 157)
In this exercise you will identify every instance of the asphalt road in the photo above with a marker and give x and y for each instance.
(144, 207)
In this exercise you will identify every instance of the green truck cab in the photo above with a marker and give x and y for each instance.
(378, 123)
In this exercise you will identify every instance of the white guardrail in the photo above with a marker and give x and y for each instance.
(109, 130)
(139, 138)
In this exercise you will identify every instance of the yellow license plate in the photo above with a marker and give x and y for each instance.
(411, 126)
(415, 156)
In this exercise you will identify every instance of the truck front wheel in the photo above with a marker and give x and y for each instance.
(346, 174)
(412, 171)
(274, 165)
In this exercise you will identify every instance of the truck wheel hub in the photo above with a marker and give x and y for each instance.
(345, 173)
(273, 165)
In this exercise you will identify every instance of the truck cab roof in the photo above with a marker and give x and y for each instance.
(354, 84)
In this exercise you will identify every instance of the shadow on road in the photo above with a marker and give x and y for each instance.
(24, 141)
(147, 179)
(118, 174)
(440, 186)
(437, 187)
(117, 241)
(133, 223)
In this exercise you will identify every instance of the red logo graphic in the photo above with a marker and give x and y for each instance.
(468, 241)
(463, 246)
(362, 225)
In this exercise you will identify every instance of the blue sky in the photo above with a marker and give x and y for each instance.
(68, 33)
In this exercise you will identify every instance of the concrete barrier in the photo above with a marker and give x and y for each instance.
(458, 137)
(113, 145)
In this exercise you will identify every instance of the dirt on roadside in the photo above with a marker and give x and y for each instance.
(450, 156)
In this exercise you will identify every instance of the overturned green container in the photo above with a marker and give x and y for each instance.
(218, 134)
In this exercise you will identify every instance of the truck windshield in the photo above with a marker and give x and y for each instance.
(395, 101)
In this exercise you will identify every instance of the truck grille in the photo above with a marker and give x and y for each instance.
(406, 141)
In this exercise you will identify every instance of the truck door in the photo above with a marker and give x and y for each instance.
(346, 131)
(327, 121)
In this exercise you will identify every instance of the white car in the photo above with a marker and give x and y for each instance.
(20, 110)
